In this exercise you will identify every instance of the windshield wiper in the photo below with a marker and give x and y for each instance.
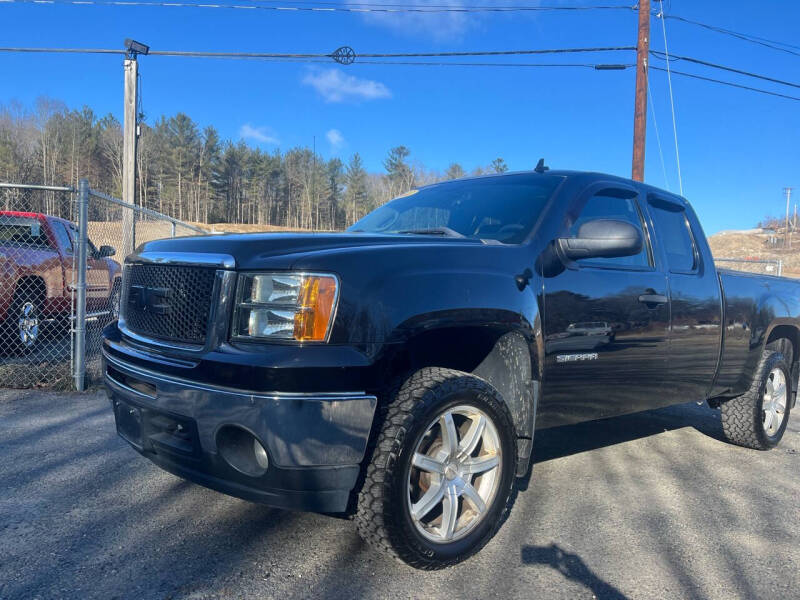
(445, 231)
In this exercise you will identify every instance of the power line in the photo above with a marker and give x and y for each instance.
(658, 136)
(728, 83)
(326, 6)
(499, 52)
(303, 56)
(775, 45)
(64, 50)
(416, 63)
(413, 5)
(697, 61)
(672, 106)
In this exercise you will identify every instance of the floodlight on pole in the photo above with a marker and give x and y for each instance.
(135, 48)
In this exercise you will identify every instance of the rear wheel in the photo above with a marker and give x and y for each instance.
(439, 482)
(758, 418)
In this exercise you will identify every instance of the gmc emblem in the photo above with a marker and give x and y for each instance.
(150, 299)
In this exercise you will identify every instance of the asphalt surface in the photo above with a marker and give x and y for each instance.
(652, 505)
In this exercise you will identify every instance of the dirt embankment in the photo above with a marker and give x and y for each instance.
(110, 232)
(756, 245)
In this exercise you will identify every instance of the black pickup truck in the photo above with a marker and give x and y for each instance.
(398, 371)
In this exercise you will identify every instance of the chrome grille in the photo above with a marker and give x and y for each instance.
(169, 302)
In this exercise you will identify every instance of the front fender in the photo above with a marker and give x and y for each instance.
(391, 293)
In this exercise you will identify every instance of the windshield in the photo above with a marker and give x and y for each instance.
(21, 231)
(502, 208)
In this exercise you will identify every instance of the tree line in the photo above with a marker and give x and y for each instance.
(189, 172)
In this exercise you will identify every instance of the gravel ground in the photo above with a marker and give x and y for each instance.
(653, 505)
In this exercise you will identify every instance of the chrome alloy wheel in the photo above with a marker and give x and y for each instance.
(454, 475)
(28, 325)
(773, 406)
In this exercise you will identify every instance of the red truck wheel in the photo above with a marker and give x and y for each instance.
(25, 323)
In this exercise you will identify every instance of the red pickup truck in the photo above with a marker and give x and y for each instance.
(36, 277)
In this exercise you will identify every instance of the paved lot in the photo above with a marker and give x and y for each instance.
(644, 506)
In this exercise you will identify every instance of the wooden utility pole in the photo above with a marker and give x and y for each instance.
(129, 135)
(640, 100)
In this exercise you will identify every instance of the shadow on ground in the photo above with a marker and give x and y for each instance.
(642, 506)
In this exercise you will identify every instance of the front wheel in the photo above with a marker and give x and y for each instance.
(439, 482)
(25, 324)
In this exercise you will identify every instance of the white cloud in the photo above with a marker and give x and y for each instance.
(440, 26)
(336, 86)
(335, 138)
(263, 135)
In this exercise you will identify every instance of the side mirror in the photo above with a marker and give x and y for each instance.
(602, 238)
(105, 251)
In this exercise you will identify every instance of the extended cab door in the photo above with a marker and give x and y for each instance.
(695, 297)
(605, 321)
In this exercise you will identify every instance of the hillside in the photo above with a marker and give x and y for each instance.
(753, 244)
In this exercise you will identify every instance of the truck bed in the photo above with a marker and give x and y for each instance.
(754, 305)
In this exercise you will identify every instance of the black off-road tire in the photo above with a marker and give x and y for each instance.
(742, 418)
(382, 516)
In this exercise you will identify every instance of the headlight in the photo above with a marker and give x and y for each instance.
(285, 306)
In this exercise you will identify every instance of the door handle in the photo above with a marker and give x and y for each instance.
(653, 299)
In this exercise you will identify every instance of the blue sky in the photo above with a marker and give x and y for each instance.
(738, 149)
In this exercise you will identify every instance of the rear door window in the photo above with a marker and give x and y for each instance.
(675, 235)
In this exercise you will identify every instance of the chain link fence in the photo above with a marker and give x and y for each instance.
(36, 286)
(53, 311)
(114, 229)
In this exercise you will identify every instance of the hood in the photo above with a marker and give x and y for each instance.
(281, 250)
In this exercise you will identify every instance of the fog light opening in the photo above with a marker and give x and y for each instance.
(242, 451)
(261, 454)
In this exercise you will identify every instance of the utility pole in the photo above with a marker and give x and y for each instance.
(314, 178)
(787, 238)
(130, 133)
(640, 99)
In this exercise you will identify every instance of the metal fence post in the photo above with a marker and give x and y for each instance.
(173, 228)
(79, 347)
(780, 267)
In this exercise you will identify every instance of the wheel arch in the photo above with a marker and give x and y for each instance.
(31, 283)
(785, 337)
(504, 357)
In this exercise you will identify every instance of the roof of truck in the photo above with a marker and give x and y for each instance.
(30, 215)
(571, 174)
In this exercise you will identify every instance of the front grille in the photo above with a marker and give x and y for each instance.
(168, 302)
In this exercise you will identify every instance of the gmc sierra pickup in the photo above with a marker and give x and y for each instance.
(398, 371)
(36, 262)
